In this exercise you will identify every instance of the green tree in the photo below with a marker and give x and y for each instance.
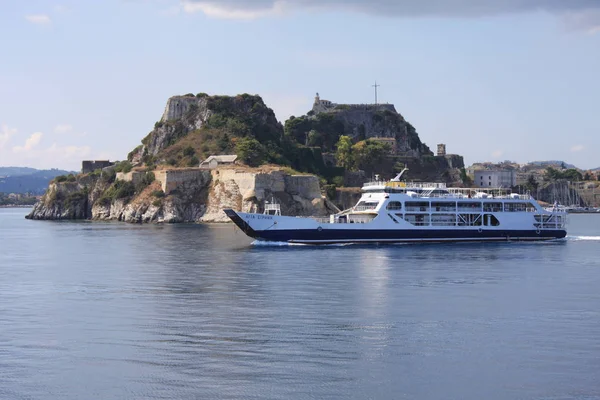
(531, 185)
(189, 151)
(194, 162)
(368, 154)
(314, 138)
(465, 178)
(572, 175)
(343, 153)
(551, 174)
(250, 151)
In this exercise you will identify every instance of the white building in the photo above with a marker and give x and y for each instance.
(499, 178)
(213, 162)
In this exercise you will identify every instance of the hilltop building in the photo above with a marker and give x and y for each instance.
(441, 150)
(499, 178)
(92, 165)
(213, 162)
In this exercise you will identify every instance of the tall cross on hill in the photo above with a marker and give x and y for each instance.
(376, 86)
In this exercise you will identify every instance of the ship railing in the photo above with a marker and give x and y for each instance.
(407, 185)
(550, 221)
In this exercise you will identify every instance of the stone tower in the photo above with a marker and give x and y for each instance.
(441, 150)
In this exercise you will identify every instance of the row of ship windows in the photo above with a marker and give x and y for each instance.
(447, 219)
(424, 206)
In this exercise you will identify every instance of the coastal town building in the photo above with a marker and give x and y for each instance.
(499, 178)
(213, 162)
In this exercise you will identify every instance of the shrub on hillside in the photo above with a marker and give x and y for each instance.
(250, 151)
(189, 151)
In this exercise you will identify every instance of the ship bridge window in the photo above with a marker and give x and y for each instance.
(417, 206)
(443, 206)
(366, 205)
(394, 205)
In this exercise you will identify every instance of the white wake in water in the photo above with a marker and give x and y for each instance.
(584, 238)
(262, 243)
(269, 244)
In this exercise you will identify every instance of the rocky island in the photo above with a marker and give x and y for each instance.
(177, 175)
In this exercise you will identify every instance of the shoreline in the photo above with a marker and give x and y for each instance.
(15, 206)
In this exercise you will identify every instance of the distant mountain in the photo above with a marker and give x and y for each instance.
(553, 163)
(27, 180)
(16, 171)
(595, 169)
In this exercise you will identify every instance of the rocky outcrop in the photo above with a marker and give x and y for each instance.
(198, 196)
(189, 113)
(182, 115)
(69, 200)
(373, 122)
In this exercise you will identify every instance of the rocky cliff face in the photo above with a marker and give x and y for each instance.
(235, 116)
(200, 198)
(323, 127)
(372, 122)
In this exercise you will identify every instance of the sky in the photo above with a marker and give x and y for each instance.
(494, 80)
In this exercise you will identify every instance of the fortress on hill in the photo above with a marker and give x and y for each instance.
(320, 106)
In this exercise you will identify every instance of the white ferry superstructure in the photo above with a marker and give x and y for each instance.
(395, 211)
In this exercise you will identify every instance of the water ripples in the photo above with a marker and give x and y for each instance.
(100, 311)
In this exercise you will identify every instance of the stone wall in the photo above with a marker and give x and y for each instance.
(178, 178)
(324, 106)
(346, 198)
(132, 176)
(306, 185)
(92, 165)
(247, 191)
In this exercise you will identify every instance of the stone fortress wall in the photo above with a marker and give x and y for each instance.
(174, 179)
(320, 106)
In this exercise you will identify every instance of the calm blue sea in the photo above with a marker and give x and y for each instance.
(117, 311)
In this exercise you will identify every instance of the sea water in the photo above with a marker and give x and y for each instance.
(118, 311)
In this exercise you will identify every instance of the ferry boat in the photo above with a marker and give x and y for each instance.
(398, 211)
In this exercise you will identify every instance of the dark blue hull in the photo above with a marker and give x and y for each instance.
(328, 236)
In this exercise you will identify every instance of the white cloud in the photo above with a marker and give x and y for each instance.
(5, 134)
(32, 153)
(588, 20)
(213, 10)
(577, 148)
(63, 128)
(31, 142)
(248, 9)
(38, 19)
